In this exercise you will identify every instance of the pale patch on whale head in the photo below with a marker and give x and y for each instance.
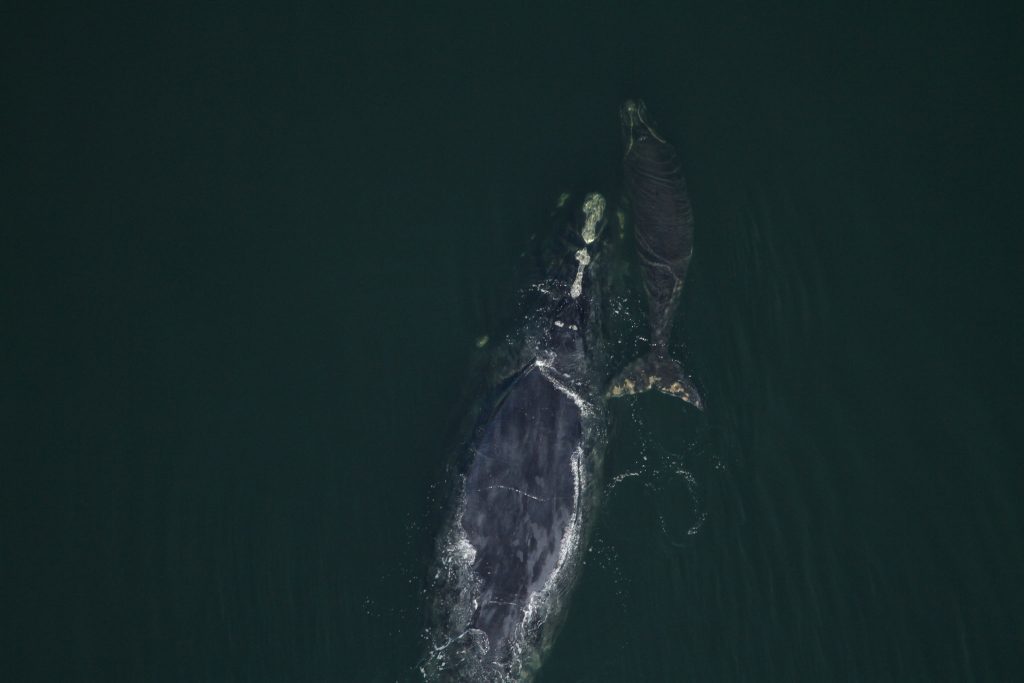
(577, 286)
(593, 209)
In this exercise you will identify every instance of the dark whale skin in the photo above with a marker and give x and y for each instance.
(663, 233)
(520, 500)
(529, 482)
(662, 219)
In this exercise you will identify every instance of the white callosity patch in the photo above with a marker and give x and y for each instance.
(593, 209)
(577, 286)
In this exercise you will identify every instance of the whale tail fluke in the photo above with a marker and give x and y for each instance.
(657, 372)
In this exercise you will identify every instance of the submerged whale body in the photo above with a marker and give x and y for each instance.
(510, 552)
(663, 228)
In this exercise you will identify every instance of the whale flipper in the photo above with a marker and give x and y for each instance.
(657, 372)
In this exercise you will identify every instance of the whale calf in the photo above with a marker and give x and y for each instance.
(663, 231)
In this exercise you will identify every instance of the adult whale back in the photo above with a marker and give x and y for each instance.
(526, 493)
(663, 231)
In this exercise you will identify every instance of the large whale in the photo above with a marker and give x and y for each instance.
(663, 231)
(527, 485)
(527, 490)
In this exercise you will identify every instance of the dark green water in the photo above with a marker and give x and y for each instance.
(246, 252)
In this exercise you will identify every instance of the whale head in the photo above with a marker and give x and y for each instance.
(637, 126)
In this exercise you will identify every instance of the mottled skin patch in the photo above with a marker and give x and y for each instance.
(626, 387)
(655, 373)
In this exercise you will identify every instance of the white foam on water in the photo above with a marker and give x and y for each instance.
(540, 602)
(548, 370)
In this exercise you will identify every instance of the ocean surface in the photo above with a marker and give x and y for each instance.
(249, 249)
